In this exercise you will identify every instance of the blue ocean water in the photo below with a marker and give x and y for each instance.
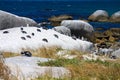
(42, 10)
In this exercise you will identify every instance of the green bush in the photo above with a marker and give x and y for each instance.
(60, 62)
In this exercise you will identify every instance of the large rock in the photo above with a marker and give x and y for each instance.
(99, 15)
(32, 38)
(78, 28)
(116, 53)
(30, 70)
(56, 20)
(63, 30)
(115, 17)
(8, 20)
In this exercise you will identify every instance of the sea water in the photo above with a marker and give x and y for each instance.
(41, 10)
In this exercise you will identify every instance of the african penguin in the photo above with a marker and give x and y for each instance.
(26, 53)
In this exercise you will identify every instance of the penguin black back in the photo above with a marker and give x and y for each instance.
(26, 53)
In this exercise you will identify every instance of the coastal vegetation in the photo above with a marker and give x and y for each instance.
(87, 70)
(81, 69)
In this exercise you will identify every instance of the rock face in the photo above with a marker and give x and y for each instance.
(115, 17)
(63, 30)
(56, 20)
(8, 20)
(116, 53)
(78, 28)
(99, 15)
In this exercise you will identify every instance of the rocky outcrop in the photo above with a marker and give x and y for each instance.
(115, 17)
(110, 36)
(56, 20)
(116, 46)
(113, 32)
(116, 53)
(32, 38)
(30, 70)
(63, 30)
(99, 15)
(78, 28)
(8, 20)
(117, 30)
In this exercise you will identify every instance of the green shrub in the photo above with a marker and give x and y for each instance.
(60, 62)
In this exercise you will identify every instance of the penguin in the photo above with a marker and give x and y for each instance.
(23, 38)
(45, 40)
(32, 34)
(26, 53)
(45, 28)
(5, 32)
(74, 38)
(38, 30)
(24, 32)
(28, 36)
(56, 35)
(21, 29)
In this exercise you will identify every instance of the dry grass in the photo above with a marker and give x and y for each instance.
(4, 70)
(50, 52)
(9, 54)
(95, 69)
(46, 52)
(87, 70)
(90, 71)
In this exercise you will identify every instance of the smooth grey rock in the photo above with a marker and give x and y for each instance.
(8, 20)
(63, 30)
(115, 17)
(78, 28)
(99, 15)
(116, 53)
